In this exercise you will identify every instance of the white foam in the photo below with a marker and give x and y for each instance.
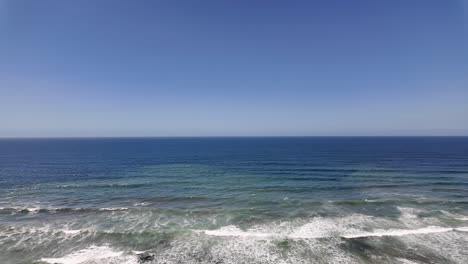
(400, 232)
(69, 186)
(142, 204)
(71, 232)
(311, 231)
(324, 227)
(236, 232)
(406, 261)
(408, 215)
(463, 229)
(255, 246)
(31, 210)
(455, 216)
(113, 209)
(93, 254)
(93, 185)
(315, 228)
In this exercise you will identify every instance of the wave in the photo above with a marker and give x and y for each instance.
(325, 237)
(350, 226)
(141, 204)
(301, 232)
(292, 189)
(65, 232)
(113, 209)
(136, 208)
(287, 168)
(16, 210)
(72, 232)
(107, 185)
(94, 254)
(11, 230)
(401, 232)
(151, 202)
(233, 231)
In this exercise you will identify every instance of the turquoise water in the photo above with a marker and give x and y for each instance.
(234, 200)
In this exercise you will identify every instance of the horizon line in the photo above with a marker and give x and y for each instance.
(239, 136)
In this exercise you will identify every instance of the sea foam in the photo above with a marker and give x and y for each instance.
(313, 231)
(94, 254)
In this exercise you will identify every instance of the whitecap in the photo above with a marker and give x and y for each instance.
(463, 229)
(406, 261)
(113, 209)
(71, 232)
(93, 254)
(142, 204)
(400, 232)
(236, 232)
(324, 229)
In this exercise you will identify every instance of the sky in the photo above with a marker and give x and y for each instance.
(233, 68)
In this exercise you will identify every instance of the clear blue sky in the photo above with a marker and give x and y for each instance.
(201, 68)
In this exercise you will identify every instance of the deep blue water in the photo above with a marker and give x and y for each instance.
(235, 200)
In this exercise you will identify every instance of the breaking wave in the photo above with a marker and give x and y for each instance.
(94, 254)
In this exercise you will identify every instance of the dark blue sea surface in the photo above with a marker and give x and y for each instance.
(234, 200)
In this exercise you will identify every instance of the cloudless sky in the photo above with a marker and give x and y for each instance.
(233, 67)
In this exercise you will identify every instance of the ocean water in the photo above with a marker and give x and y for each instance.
(234, 200)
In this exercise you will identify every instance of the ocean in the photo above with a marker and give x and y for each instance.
(234, 200)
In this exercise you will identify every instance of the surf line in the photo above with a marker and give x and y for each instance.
(378, 233)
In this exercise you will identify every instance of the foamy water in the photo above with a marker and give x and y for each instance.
(237, 232)
(94, 254)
